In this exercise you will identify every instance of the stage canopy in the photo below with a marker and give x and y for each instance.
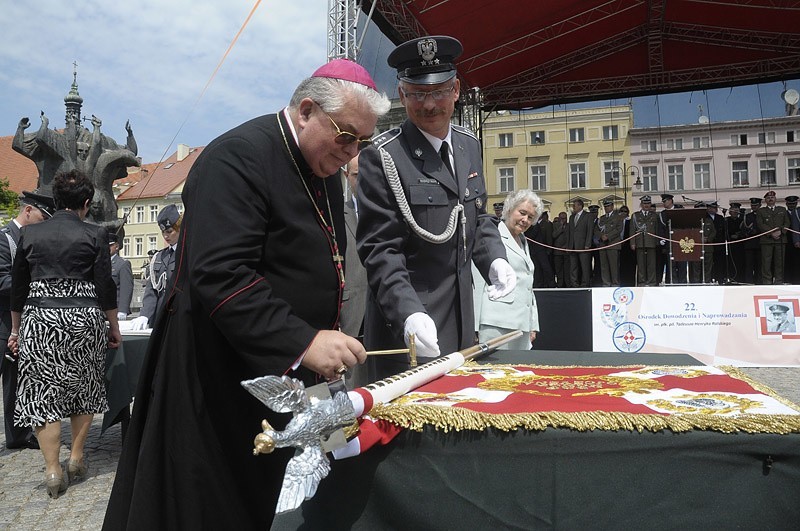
(530, 54)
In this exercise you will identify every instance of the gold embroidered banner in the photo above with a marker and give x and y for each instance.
(636, 398)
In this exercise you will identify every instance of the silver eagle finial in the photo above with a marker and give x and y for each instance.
(313, 419)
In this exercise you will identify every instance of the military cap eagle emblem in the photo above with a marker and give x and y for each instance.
(427, 49)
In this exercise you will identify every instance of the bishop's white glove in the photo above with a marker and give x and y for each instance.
(503, 279)
(425, 337)
(121, 316)
(140, 323)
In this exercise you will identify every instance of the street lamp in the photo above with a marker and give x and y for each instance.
(626, 170)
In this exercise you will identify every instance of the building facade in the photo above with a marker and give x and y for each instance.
(560, 155)
(724, 162)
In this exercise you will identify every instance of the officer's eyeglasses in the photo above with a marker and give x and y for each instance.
(437, 95)
(344, 138)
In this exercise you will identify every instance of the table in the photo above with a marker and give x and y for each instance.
(123, 366)
(563, 479)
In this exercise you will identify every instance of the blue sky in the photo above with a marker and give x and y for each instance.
(148, 61)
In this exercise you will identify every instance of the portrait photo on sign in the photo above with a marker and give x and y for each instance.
(777, 317)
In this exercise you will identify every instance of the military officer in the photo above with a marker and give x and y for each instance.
(675, 271)
(774, 220)
(702, 271)
(752, 249)
(644, 223)
(608, 232)
(734, 234)
(122, 274)
(160, 269)
(422, 216)
(792, 268)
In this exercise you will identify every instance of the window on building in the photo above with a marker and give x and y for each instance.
(138, 246)
(650, 178)
(152, 243)
(649, 145)
(140, 214)
(126, 214)
(739, 173)
(699, 142)
(702, 176)
(767, 172)
(537, 137)
(539, 178)
(611, 173)
(766, 138)
(126, 247)
(610, 132)
(577, 175)
(506, 139)
(506, 180)
(793, 166)
(739, 139)
(675, 177)
(153, 213)
(674, 144)
(790, 136)
(576, 134)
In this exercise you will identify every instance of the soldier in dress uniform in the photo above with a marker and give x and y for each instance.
(643, 222)
(734, 234)
(162, 264)
(122, 275)
(608, 233)
(676, 271)
(718, 272)
(752, 249)
(560, 241)
(775, 219)
(627, 257)
(792, 268)
(422, 216)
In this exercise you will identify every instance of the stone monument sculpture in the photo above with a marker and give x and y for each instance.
(101, 158)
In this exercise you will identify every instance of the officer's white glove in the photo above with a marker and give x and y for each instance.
(662, 242)
(140, 323)
(121, 316)
(425, 337)
(503, 279)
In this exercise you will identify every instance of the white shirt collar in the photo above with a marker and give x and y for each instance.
(17, 223)
(437, 142)
(291, 125)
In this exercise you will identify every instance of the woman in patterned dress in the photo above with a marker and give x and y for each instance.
(64, 317)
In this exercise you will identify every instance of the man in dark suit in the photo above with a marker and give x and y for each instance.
(354, 296)
(34, 208)
(581, 230)
(792, 253)
(161, 268)
(419, 271)
(122, 274)
(541, 232)
(560, 241)
(718, 271)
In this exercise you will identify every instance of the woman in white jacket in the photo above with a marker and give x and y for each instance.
(517, 310)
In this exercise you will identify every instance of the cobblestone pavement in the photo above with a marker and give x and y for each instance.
(24, 503)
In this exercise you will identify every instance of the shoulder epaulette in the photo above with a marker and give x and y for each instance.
(386, 137)
(464, 130)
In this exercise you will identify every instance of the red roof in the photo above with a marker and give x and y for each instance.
(532, 54)
(158, 180)
(20, 171)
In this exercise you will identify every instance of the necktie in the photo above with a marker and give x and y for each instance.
(444, 152)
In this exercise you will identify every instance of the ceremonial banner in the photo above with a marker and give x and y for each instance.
(718, 325)
(638, 398)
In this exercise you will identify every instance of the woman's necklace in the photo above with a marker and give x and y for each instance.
(330, 230)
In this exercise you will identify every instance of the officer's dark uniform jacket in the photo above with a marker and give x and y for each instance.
(163, 263)
(407, 274)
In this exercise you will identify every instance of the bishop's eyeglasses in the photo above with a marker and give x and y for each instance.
(344, 138)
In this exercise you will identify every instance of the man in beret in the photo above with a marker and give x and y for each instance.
(752, 247)
(256, 290)
(33, 208)
(792, 251)
(419, 272)
(773, 220)
(608, 232)
(780, 320)
(122, 274)
(160, 269)
(644, 225)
